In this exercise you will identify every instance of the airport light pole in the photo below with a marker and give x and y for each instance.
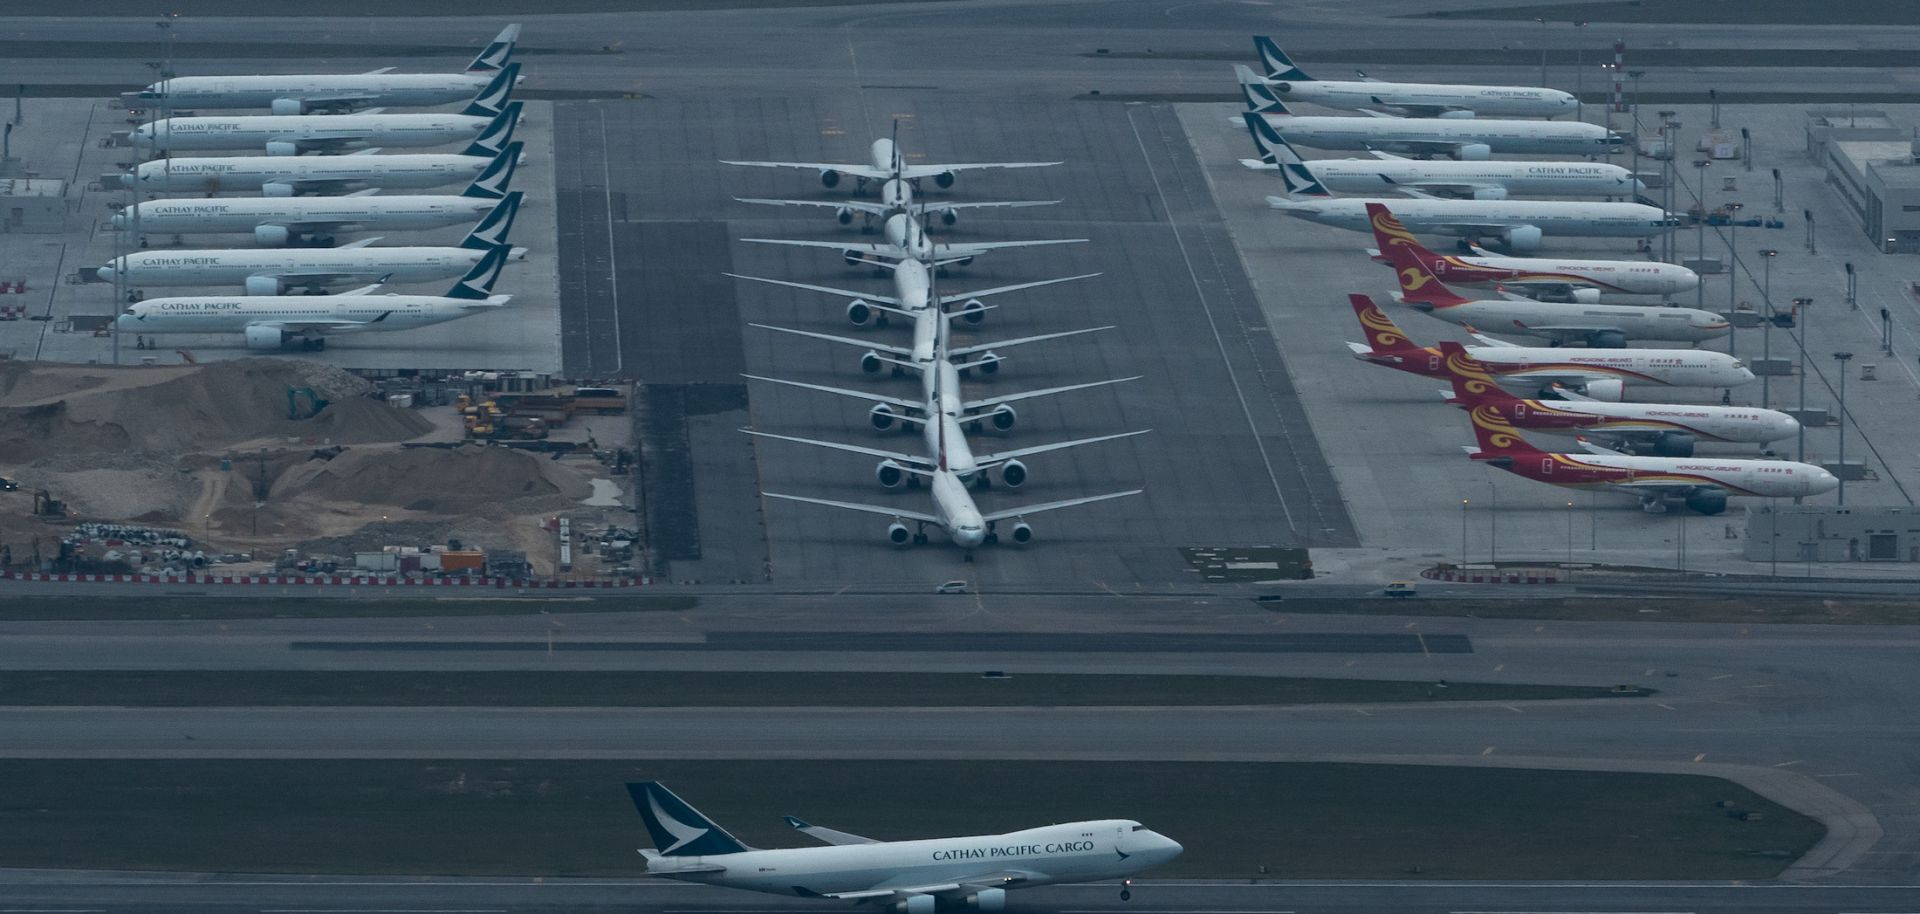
(1579, 73)
(1733, 277)
(1766, 324)
(1543, 48)
(1493, 526)
(1853, 288)
(1812, 246)
(1700, 193)
(1802, 307)
(1779, 203)
(1463, 533)
(1633, 117)
(1569, 534)
(1843, 358)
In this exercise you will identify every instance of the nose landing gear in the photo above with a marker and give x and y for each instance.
(1126, 890)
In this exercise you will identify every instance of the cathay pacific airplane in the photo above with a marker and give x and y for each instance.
(909, 877)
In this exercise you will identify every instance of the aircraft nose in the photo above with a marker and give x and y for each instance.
(105, 273)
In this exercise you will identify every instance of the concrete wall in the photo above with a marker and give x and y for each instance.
(1826, 533)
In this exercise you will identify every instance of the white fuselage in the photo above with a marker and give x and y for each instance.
(227, 92)
(1628, 277)
(1502, 101)
(1420, 134)
(234, 314)
(336, 131)
(953, 504)
(1733, 424)
(318, 215)
(303, 174)
(1762, 478)
(1537, 179)
(1487, 217)
(294, 268)
(1066, 853)
(1631, 367)
(1569, 322)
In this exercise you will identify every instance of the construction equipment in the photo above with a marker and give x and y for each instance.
(45, 505)
(315, 403)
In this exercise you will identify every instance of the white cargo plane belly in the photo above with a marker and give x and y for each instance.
(1420, 99)
(309, 93)
(289, 176)
(909, 877)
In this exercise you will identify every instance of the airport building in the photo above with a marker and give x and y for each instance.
(1826, 533)
(1874, 166)
(36, 205)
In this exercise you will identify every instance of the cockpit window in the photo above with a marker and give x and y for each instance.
(1138, 828)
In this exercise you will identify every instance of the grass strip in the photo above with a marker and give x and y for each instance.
(573, 818)
(668, 689)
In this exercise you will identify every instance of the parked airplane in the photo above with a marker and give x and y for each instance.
(1664, 429)
(1547, 279)
(910, 877)
(278, 222)
(306, 94)
(1472, 180)
(1602, 374)
(1417, 99)
(291, 176)
(315, 270)
(1519, 224)
(1467, 138)
(908, 240)
(912, 291)
(294, 134)
(1702, 484)
(885, 162)
(272, 321)
(1597, 326)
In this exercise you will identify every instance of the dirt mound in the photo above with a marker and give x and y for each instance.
(468, 480)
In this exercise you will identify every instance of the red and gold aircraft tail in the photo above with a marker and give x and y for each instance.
(1387, 344)
(1499, 440)
(1473, 384)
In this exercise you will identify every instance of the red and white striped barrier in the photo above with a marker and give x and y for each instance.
(325, 580)
(1468, 576)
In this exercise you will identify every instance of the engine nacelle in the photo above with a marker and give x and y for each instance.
(988, 362)
(949, 216)
(859, 312)
(988, 900)
(263, 285)
(1523, 239)
(882, 416)
(829, 177)
(1281, 88)
(271, 236)
(1608, 391)
(897, 533)
(973, 311)
(1004, 417)
(265, 338)
(854, 258)
(889, 474)
(1707, 501)
(1585, 295)
(1013, 473)
(282, 148)
(287, 106)
(1022, 533)
(276, 189)
(944, 179)
(871, 363)
(844, 214)
(1490, 193)
(1456, 115)
(1473, 152)
(1606, 339)
(917, 904)
(1674, 444)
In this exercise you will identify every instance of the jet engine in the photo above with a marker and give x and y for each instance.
(1608, 391)
(1585, 295)
(859, 312)
(844, 214)
(271, 236)
(1013, 473)
(988, 363)
(854, 258)
(1495, 192)
(1004, 417)
(898, 535)
(276, 189)
(949, 216)
(1281, 88)
(1523, 239)
(265, 338)
(282, 148)
(1707, 501)
(973, 311)
(1022, 533)
(263, 285)
(1606, 339)
(1473, 152)
(1456, 115)
(287, 106)
(871, 363)
(831, 178)
(944, 179)
(1676, 444)
(882, 416)
(988, 900)
(916, 904)
(889, 474)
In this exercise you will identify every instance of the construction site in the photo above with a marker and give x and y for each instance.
(274, 465)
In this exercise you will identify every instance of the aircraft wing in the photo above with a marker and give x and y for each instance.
(845, 392)
(1020, 341)
(380, 72)
(315, 278)
(970, 248)
(1416, 110)
(990, 402)
(855, 205)
(343, 102)
(1457, 188)
(914, 172)
(877, 249)
(324, 142)
(858, 171)
(983, 881)
(1006, 204)
(322, 326)
(1056, 505)
(813, 288)
(883, 511)
(907, 460)
(827, 835)
(963, 296)
(1004, 456)
(900, 351)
